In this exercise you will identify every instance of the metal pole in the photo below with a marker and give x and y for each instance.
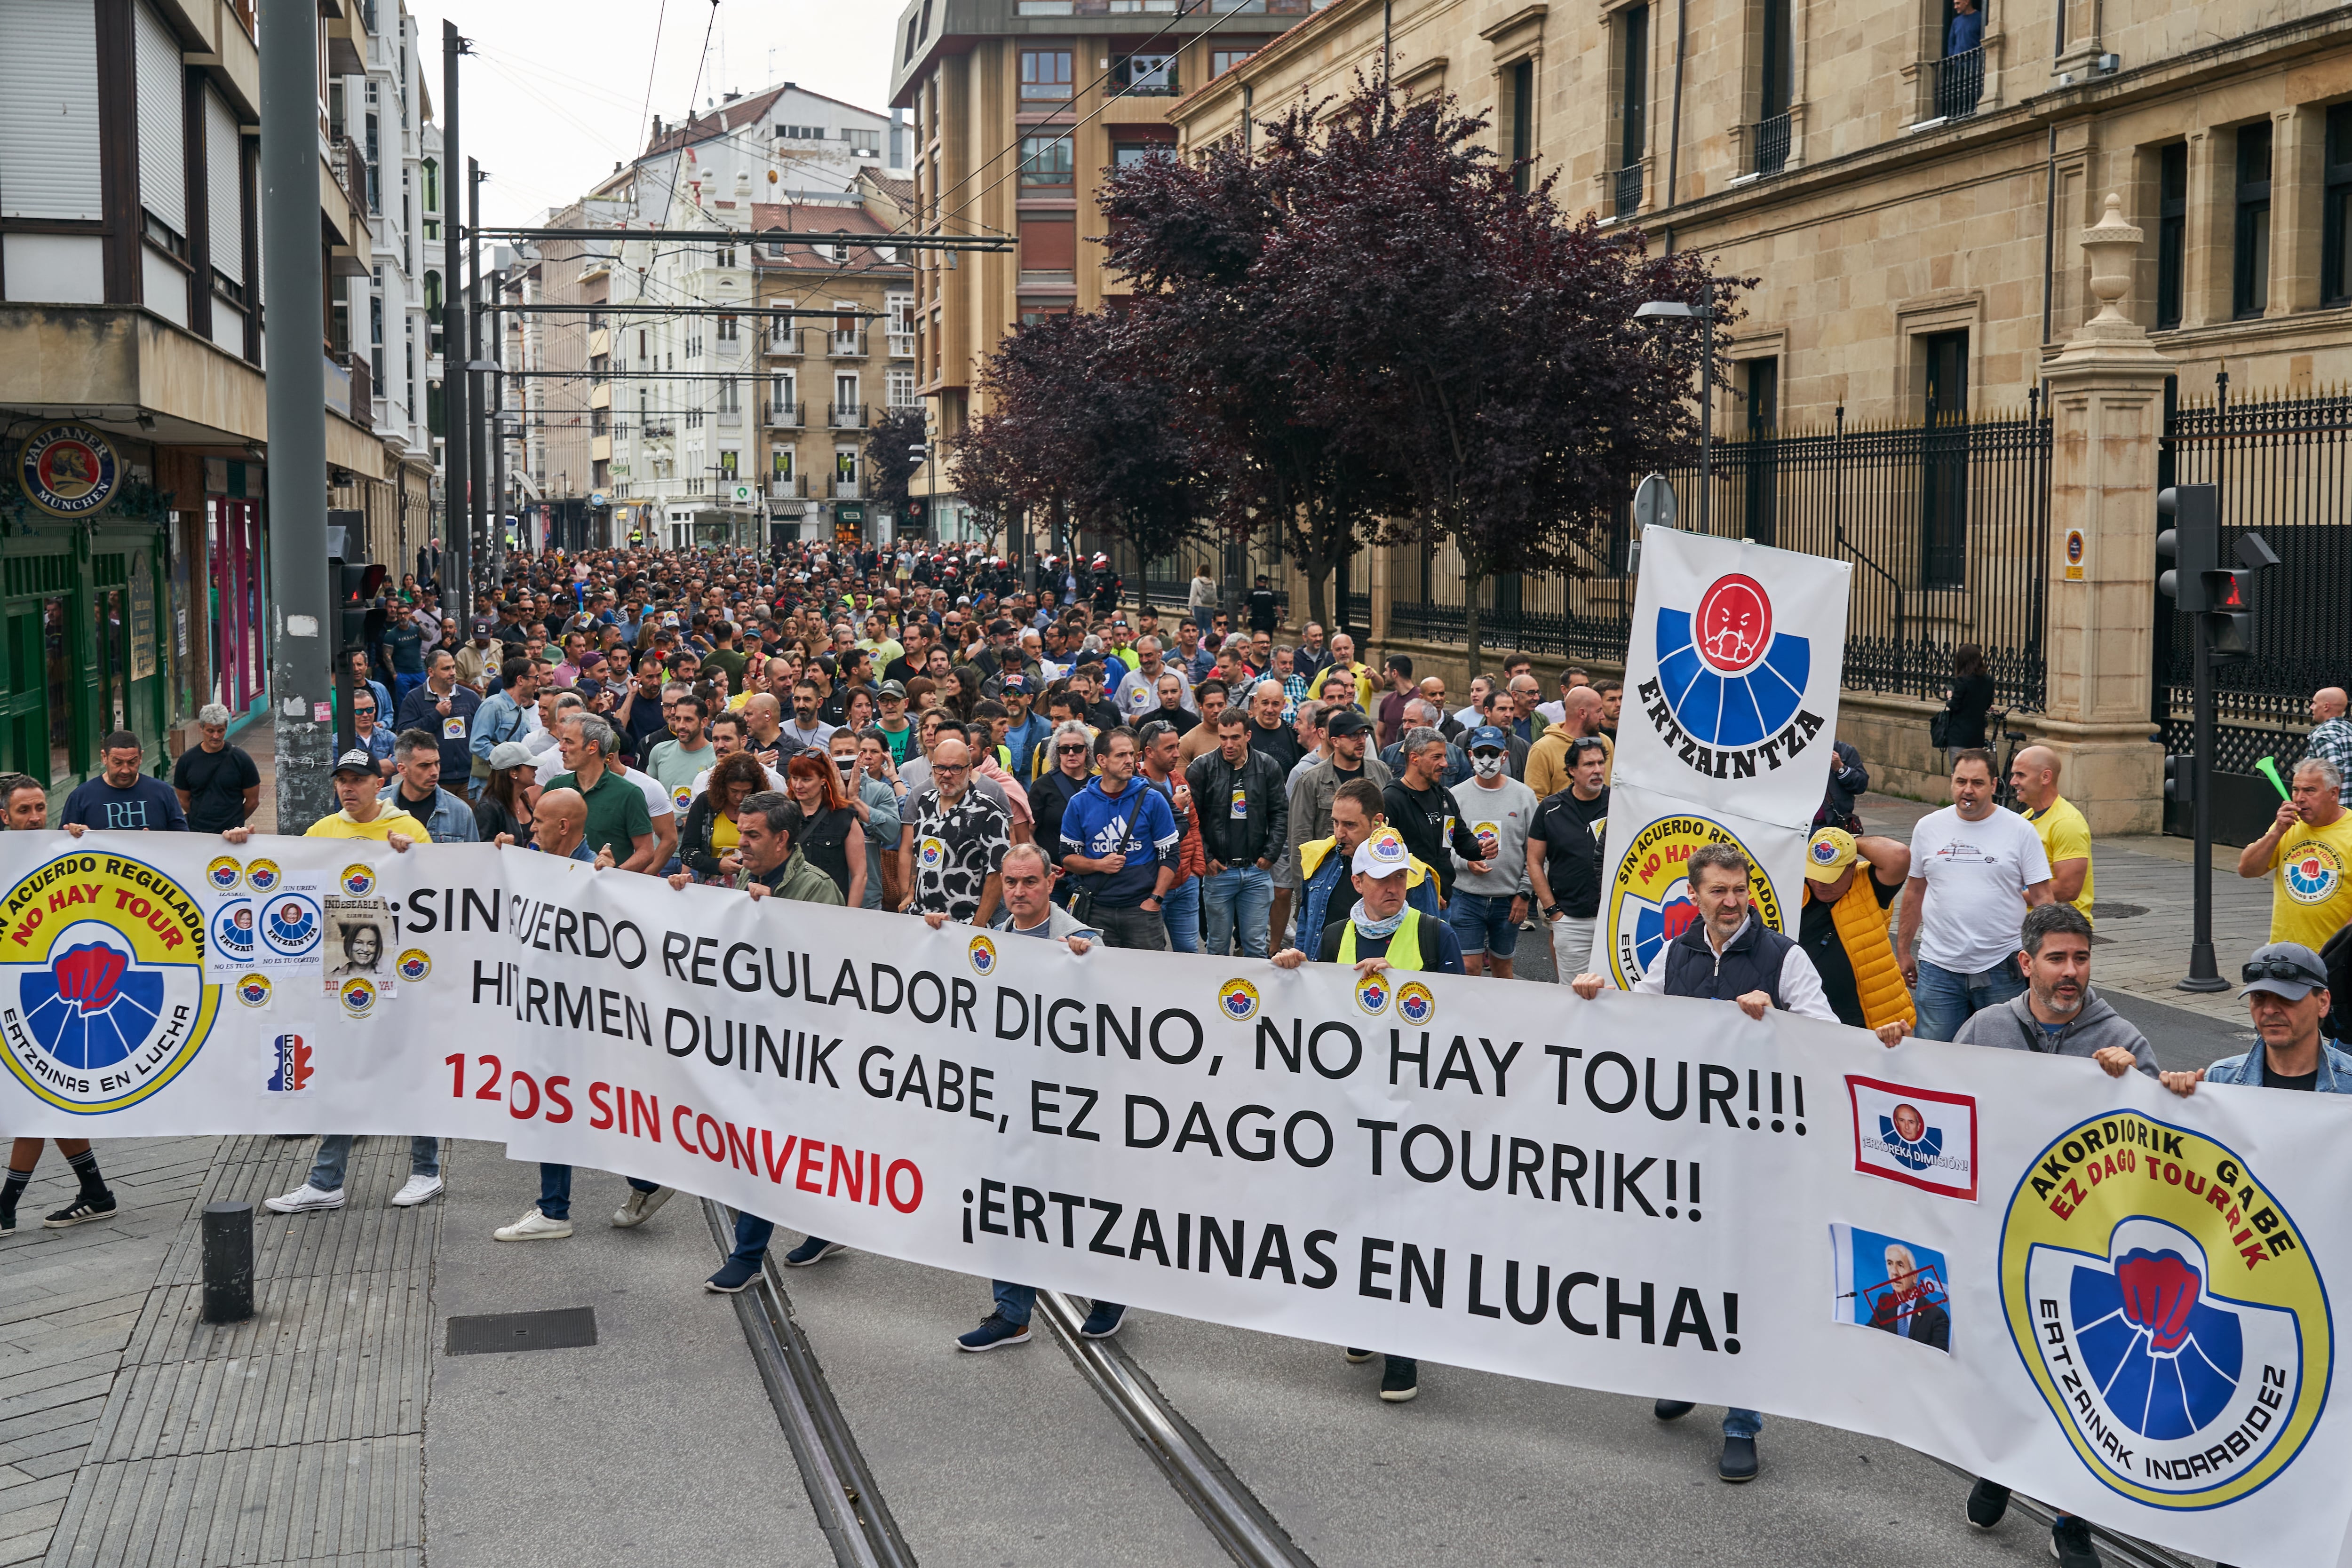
(300, 712)
(498, 472)
(457, 483)
(476, 402)
(2204, 972)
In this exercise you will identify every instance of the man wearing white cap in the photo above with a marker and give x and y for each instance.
(1383, 932)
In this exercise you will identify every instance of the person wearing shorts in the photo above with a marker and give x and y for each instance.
(1487, 906)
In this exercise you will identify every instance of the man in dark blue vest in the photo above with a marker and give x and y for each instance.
(1729, 955)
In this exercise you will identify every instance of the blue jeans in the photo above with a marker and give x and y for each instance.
(1947, 998)
(1181, 909)
(402, 684)
(1016, 1302)
(555, 1191)
(751, 1234)
(335, 1153)
(1238, 901)
(1738, 1423)
(1484, 924)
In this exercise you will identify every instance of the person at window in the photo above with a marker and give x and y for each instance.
(1965, 31)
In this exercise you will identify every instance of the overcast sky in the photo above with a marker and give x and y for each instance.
(557, 91)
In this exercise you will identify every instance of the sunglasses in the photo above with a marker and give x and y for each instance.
(1071, 750)
(2280, 968)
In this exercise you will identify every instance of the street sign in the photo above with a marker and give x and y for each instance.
(850, 514)
(1654, 503)
(742, 494)
(596, 498)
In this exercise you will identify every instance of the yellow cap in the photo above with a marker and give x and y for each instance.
(1831, 851)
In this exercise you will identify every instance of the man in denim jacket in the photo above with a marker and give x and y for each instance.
(2286, 991)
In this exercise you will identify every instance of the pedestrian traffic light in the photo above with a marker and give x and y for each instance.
(356, 585)
(2180, 780)
(2229, 614)
(2192, 542)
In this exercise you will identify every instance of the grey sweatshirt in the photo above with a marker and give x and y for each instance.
(2012, 1027)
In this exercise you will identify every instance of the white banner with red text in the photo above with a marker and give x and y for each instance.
(2089, 1289)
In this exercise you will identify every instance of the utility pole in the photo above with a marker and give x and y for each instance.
(497, 433)
(457, 485)
(476, 402)
(300, 712)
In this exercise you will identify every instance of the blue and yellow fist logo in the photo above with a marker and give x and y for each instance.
(2166, 1307)
(1372, 993)
(223, 873)
(358, 881)
(1415, 1004)
(414, 965)
(1237, 1000)
(984, 956)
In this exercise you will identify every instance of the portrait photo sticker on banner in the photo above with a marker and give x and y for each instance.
(1732, 673)
(1646, 896)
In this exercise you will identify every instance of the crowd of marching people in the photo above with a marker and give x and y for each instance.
(955, 738)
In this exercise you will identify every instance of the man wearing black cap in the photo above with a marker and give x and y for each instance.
(2286, 992)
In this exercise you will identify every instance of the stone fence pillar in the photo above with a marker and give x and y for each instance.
(2106, 409)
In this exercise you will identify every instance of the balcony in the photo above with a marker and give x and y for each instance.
(846, 345)
(660, 431)
(846, 415)
(842, 489)
(902, 345)
(787, 415)
(1628, 183)
(1959, 84)
(794, 487)
(1770, 139)
(784, 345)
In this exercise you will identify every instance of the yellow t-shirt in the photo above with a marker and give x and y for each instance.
(340, 826)
(2311, 882)
(724, 835)
(2065, 836)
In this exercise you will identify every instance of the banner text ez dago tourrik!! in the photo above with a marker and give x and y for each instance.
(2083, 1287)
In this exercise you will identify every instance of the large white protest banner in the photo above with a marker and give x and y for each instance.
(1731, 674)
(2081, 1286)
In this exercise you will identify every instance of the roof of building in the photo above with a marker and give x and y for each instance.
(803, 217)
(747, 110)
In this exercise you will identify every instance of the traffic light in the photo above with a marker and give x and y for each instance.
(2229, 614)
(2180, 780)
(356, 585)
(2192, 543)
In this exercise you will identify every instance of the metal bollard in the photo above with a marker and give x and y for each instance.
(229, 1262)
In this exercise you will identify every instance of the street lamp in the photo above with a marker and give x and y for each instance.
(1676, 310)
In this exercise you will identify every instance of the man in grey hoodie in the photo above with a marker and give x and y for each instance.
(2058, 1014)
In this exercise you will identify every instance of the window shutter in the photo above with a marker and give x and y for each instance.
(222, 166)
(49, 110)
(162, 170)
(1049, 244)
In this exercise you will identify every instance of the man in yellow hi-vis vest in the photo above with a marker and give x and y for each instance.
(1382, 937)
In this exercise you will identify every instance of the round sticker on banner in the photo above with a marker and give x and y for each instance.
(2312, 874)
(232, 931)
(1726, 677)
(1647, 902)
(1372, 993)
(109, 1000)
(357, 881)
(984, 956)
(2166, 1305)
(253, 991)
(223, 874)
(291, 926)
(358, 997)
(1237, 1000)
(1415, 1004)
(414, 965)
(263, 876)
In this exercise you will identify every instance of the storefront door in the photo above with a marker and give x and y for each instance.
(236, 615)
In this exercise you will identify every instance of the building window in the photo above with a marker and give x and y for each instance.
(1046, 162)
(730, 397)
(1150, 75)
(1523, 123)
(782, 461)
(845, 464)
(1049, 244)
(1762, 393)
(1044, 74)
(2336, 242)
(2172, 229)
(727, 328)
(2249, 289)
(1222, 60)
(1776, 80)
(1033, 314)
(902, 389)
(1633, 106)
(1944, 461)
(844, 392)
(1125, 153)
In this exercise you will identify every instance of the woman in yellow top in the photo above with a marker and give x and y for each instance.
(707, 843)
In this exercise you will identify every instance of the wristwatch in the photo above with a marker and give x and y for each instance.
(1550, 910)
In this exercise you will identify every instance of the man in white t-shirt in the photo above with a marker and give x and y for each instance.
(1975, 871)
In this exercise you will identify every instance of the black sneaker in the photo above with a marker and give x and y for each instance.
(815, 1249)
(81, 1212)
(1738, 1461)
(1988, 1500)
(1357, 1357)
(995, 1333)
(1103, 1321)
(2070, 1542)
(734, 1277)
(1400, 1380)
(8, 1224)
(1672, 1409)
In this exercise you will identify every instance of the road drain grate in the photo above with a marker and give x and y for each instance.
(494, 1333)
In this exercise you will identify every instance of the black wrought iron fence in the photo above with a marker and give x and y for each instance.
(1947, 526)
(2284, 466)
(1960, 83)
(1770, 138)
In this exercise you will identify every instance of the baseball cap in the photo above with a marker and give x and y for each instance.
(509, 754)
(1827, 856)
(2287, 969)
(1485, 738)
(1019, 685)
(358, 759)
(485, 624)
(1346, 721)
(1381, 855)
(894, 689)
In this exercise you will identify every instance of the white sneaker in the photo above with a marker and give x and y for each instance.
(534, 1227)
(303, 1198)
(415, 1190)
(641, 1207)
